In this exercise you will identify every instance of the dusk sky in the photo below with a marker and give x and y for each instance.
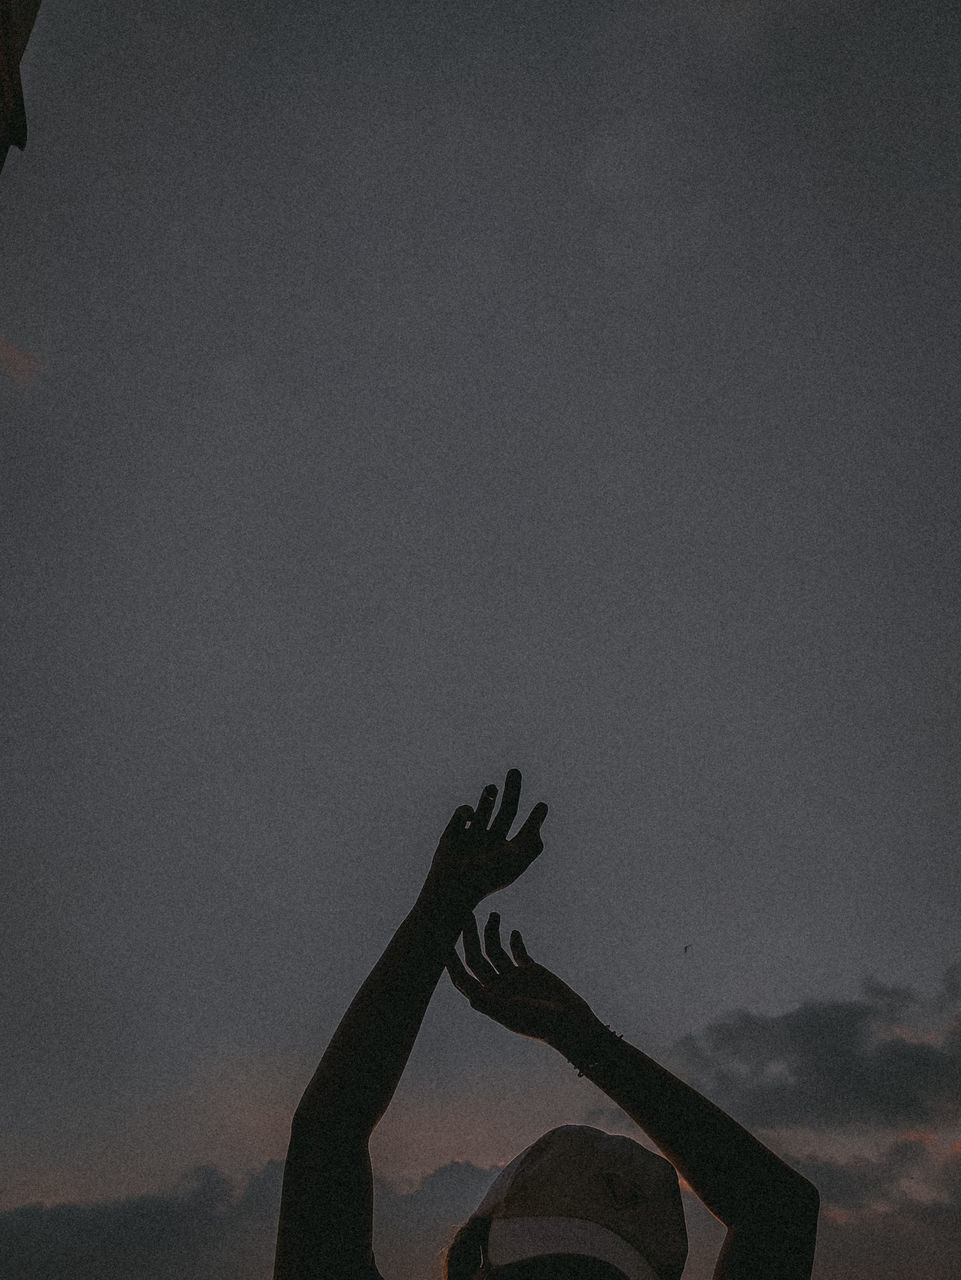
(395, 393)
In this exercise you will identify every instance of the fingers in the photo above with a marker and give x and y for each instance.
(529, 833)
(508, 810)
(492, 944)
(458, 822)
(465, 983)
(478, 963)
(519, 951)
(485, 807)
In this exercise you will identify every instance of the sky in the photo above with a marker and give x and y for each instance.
(394, 393)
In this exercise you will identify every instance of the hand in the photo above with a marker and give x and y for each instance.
(519, 994)
(475, 857)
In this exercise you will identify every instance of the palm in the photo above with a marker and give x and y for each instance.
(529, 1001)
(518, 993)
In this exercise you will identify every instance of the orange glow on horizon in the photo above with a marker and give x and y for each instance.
(18, 365)
(925, 1136)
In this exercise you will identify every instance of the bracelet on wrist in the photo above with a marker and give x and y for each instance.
(585, 1058)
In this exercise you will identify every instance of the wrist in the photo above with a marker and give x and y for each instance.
(586, 1042)
(443, 905)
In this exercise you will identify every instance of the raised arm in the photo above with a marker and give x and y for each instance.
(326, 1205)
(770, 1210)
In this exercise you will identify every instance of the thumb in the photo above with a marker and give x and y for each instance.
(519, 951)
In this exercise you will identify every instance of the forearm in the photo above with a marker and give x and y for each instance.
(736, 1176)
(363, 1063)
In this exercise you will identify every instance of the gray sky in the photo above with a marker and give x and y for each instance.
(431, 389)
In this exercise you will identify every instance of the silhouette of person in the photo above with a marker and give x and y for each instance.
(578, 1204)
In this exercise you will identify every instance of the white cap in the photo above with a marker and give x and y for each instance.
(580, 1190)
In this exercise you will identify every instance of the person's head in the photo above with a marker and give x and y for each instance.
(465, 1261)
(578, 1204)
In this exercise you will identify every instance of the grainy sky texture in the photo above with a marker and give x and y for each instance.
(393, 393)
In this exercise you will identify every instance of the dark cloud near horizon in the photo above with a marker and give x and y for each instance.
(861, 1182)
(834, 1065)
(912, 1229)
(890, 1058)
(207, 1229)
(202, 1229)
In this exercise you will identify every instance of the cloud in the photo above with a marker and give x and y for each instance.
(892, 1218)
(907, 1168)
(825, 1069)
(888, 1059)
(871, 1086)
(202, 1229)
(207, 1229)
(903, 1236)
